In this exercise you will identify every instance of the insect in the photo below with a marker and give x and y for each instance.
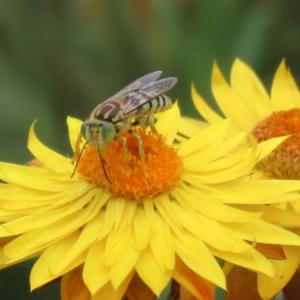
(134, 105)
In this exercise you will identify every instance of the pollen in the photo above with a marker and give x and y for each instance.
(128, 173)
(284, 161)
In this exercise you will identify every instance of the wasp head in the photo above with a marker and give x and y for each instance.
(98, 132)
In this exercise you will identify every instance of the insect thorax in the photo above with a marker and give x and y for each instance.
(111, 112)
(108, 111)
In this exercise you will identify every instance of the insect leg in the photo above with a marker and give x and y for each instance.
(124, 143)
(150, 122)
(147, 120)
(140, 141)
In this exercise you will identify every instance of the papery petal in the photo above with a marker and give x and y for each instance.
(250, 90)
(36, 240)
(250, 259)
(162, 244)
(204, 110)
(205, 139)
(168, 124)
(227, 99)
(193, 252)
(284, 93)
(41, 272)
(141, 229)
(74, 126)
(72, 286)
(284, 270)
(31, 177)
(193, 283)
(151, 272)
(96, 273)
(49, 158)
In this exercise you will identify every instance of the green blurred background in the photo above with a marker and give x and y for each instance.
(62, 57)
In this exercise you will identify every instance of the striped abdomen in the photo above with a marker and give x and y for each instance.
(153, 106)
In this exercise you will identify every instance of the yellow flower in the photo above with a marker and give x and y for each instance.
(247, 103)
(266, 115)
(153, 219)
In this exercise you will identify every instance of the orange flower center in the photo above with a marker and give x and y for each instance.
(284, 162)
(127, 172)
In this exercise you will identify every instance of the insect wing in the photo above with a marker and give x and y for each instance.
(147, 93)
(160, 86)
(137, 84)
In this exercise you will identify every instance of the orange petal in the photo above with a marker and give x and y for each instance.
(35, 163)
(138, 290)
(192, 284)
(73, 287)
(186, 295)
(271, 251)
(5, 240)
(241, 284)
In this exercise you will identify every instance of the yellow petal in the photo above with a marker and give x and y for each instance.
(125, 264)
(203, 108)
(246, 191)
(74, 126)
(266, 147)
(36, 240)
(266, 233)
(52, 213)
(250, 90)
(193, 283)
(211, 135)
(166, 208)
(208, 206)
(282, 217)
(284, 93)
(189, 127)
(120, 236)
(14, 197)
(151, 273)
(221, 169)
(87, 237)
(46, 156)
(141, 229)
(209, 231)
(250, 259)
(162, 244)
(230, 103)
(212, 153)
(284, 270)
(167, 124)
(41, 271)
(193, 252)
(96, 273)
(31, 177)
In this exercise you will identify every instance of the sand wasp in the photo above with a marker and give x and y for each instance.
(134, 105)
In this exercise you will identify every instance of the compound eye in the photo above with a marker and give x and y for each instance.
(108, 132)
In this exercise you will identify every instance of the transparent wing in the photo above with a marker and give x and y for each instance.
(148, 92)
(135, 85)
